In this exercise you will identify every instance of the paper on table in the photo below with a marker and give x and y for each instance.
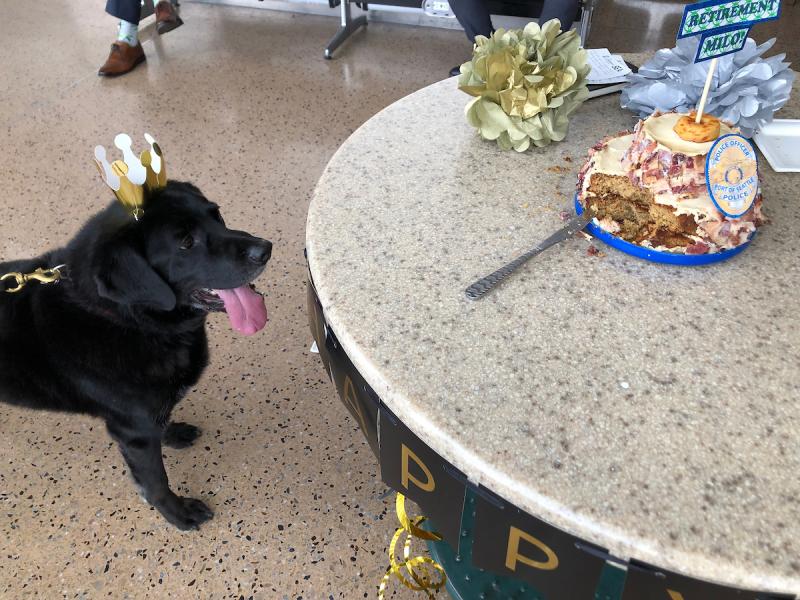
(606, 67)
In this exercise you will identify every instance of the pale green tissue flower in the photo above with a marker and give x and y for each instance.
(527, 82)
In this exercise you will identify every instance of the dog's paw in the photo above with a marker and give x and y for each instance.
(186, 513)
(180, 435)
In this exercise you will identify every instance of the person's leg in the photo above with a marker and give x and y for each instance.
(563, 10)
(125, 10)
(126, 52)
(473, 16)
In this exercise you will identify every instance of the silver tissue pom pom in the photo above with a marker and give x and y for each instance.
(745, 91)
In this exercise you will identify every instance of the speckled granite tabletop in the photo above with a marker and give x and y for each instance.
(646, 408)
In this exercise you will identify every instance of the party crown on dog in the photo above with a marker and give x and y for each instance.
(132, 179)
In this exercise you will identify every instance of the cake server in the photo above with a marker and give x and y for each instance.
(486, 284)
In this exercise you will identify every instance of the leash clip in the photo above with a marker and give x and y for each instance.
(51, 275)
(20, 281)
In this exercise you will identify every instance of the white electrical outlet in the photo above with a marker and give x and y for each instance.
(438, 8)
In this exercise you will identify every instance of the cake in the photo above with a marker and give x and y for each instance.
(649, 188)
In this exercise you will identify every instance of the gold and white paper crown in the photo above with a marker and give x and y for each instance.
(132, 179)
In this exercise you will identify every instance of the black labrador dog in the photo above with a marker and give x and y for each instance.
(122, 335)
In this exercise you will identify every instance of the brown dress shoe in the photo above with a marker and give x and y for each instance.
(122, 59)
(167, 18)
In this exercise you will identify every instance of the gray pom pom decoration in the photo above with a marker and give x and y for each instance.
(745, 91)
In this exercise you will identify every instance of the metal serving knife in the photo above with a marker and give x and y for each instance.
(486, 284)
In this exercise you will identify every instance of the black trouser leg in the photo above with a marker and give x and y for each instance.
(127, 10)
(563, 10)
(141, 448)
(473, 16)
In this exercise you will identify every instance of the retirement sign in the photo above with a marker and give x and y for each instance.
(706, 16)
(721, 42)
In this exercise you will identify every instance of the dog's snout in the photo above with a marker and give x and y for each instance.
(259, 253)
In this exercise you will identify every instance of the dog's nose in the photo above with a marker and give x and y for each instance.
(259, 253)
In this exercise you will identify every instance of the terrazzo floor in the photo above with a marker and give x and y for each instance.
(243, 106)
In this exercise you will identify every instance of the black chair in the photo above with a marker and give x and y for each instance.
(530, 9)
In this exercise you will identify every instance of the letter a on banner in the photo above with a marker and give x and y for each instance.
(354, 392)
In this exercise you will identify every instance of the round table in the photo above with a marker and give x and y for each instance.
(649, 409)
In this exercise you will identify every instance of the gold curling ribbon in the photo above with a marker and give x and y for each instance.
(421, 569)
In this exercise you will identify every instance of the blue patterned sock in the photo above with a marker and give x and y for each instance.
(128, 33)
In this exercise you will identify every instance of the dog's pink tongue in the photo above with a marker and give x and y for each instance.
(245, 309)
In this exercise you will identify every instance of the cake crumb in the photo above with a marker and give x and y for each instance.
(567, 159)
(558, 169)
(593, 251)
(565, 215)
(624, 385)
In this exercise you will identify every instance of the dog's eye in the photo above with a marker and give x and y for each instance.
(187, 242)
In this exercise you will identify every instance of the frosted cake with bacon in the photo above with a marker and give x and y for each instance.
(648, 187)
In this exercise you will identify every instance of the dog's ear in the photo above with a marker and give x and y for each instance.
(125, 277)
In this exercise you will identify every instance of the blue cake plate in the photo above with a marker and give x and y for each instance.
(669, 258)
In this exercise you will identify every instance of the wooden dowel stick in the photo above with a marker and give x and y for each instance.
(701, 107)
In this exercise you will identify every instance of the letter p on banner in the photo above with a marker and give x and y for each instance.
(512, 543)
(406, 456)
(411, 467)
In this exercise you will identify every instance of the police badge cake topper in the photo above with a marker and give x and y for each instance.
(132, 179)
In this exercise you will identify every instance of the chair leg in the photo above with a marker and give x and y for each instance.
(586, 20)
(148, 8)
(346, 27)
